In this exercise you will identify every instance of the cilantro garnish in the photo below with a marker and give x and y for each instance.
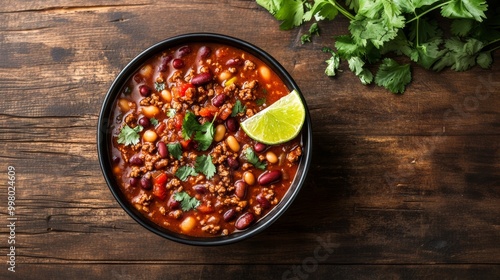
(379, 28)
(159, 86)
(254, 159)
(260, 101)
(184, 172)
(237, 108)
(129, 136)
(204, 165)
(187, 202)
(175, 149)
(171, 112)
(313, 30)
(203, 134)
(154, 121)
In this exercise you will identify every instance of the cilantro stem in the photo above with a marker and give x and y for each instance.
(428, 11)
(342, 10)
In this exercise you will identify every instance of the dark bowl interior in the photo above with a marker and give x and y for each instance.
(104, 139)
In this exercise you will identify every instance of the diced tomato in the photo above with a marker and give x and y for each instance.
(185, 87)
(203, 208)
(178, 120)
(185, 144)
(209, 111)
(160, 191)
(160, 179)
(159, 186)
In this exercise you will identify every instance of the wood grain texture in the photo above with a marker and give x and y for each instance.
(400, 187)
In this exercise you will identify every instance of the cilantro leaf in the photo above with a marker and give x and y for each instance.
(461, 55)
(175, 149)
(204, 136)
(254, 159)
(237, 108)
(271, 5)
(356, 64)
(347, 48)
(333, 65)
(187, 202)
(473, 9)
(291, 12)
(129, 136)
(322, 9)
(204, 165)
(461, 27)
(190, 125)
(429, 53)
(393, 76)
(260, 101)
(159, 86)
(184, 172)
(171, 112)
(484, 60)
(154, 121)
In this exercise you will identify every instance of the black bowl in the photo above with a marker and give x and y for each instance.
(104, 139)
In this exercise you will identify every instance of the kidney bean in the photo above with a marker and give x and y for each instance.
(218, 100)
(201, 189)
(204, 52)
(259, 147)
(164, 63)
(178, 63)
(162, 149)
(232, 124)
(183, 51)
(136, 160)
(262, 200)
(172, 203)
(134, 181)
(144, 90)
(144, 122)
(229, 215)
(234, 62)
(240, 189)
(244, 221)
(201, 79)
(146, 183)
(233, 163)
(269, 177)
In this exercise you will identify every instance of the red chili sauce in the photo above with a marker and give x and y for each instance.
(179, 154)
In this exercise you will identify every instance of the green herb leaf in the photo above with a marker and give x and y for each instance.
(204, 136)
(175, 149)
(204, 165)
(184, 172)
(461, 55)
(154, 121)
(159, 86)
(333, 65)
(237, 109)
(291, 12)
(171, 113)
(129, 136)
(356, 64)
(187, 202)
(189, 126)
(260, 101)
(393, 76)
(484, 60)
(473, 9)
(254, 159)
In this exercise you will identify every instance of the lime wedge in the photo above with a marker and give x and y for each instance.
(278, 123)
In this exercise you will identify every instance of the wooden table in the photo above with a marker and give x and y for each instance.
(400, 187)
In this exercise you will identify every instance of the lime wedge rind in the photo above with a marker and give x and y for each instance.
(280, 122)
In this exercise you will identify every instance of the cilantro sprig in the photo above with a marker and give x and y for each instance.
(187, 202)
(381, 28)
(129, 136)
(254, 159)
(203, 133)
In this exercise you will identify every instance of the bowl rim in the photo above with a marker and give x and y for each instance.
(104, 131)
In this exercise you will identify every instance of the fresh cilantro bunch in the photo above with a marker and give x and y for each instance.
(382, 31)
